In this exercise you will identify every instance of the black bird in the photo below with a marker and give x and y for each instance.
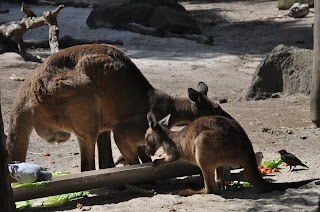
(290, 159)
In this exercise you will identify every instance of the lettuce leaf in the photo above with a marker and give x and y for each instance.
(238, 185)
(272, 164)
(60, 199)
(36, 184)
(23, 204)
(56, 174)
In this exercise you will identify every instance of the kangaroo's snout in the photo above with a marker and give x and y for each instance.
(150, 149)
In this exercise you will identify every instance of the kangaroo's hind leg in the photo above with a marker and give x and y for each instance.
(87, 151)
(86, 128)
(105, 150)
(210, 186)
(219, 177)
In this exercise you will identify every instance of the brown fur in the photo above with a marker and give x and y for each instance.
(210, 142)
(90, 90)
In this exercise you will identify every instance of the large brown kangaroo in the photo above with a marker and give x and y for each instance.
(90, 90)
(209, 142)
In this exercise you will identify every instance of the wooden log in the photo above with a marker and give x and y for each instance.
(315, 83)
(6, 200)
(112, 177)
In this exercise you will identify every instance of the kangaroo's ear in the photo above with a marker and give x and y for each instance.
(151, 120)
(194, 95)
(165, 121)
(202, 88)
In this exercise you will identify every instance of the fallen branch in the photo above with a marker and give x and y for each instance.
(30, 21)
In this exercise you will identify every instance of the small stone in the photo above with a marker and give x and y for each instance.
(83, 208)
(289, 132)
(303, 137)
(16, 78)
(299, 10)
(223, 100)
(275, 95)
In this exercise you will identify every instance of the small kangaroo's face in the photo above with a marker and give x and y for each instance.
(154, 135)
(151, 143)
(157, 136)
(150, 149)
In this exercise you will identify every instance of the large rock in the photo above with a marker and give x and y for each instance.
(286, 4)
(285, 69)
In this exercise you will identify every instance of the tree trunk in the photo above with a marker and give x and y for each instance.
(315, 83)
(6, 200)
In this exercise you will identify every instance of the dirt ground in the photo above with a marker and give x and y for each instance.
(244, 32)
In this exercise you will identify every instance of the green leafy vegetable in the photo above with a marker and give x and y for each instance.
(272, 164)
(60, 173)
(60, 199)
(36, 184)
(51, 201)
(237, 185)
(23, 204)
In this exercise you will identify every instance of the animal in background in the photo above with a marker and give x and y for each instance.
(209, 142)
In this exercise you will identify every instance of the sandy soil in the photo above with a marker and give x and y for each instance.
(244, 32)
